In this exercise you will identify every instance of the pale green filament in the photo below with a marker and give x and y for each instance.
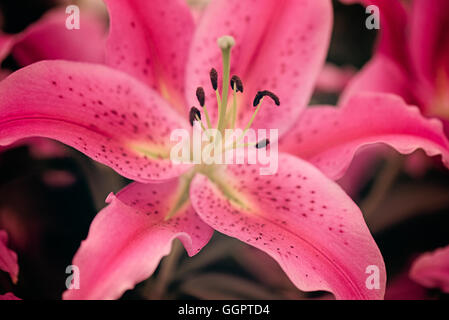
(225, 43)
(234, 106)
(249, 123)
(233, 114)
(209, 125)
(201, 123)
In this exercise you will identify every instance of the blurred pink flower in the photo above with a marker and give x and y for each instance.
(122, 115)
(49, 39)
(8, 263)
(334, 78)
(8, 296)
(8, 258)
(412, 56)
(431, 269)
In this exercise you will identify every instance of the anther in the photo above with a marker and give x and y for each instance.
(262, 144)
(214, 78)
(265, 93)
(235, 80)
(200, 96)
(194, 115)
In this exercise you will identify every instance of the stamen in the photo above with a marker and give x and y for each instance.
(214, 78)
(262, 144)
(200, 96)
(265, 93)
(201, 99)
(237, 82)
(236, 85)
(194, 115)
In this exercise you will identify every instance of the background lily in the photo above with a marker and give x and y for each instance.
(122, 116)
(8, 263)
(411, 59)
(431, 269)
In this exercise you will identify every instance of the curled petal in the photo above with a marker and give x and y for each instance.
(104, 113)
(129, 237)
(8, 258)
(328, 137)
(150, 40)
(280, 46)
(432, 269)
(301, 219)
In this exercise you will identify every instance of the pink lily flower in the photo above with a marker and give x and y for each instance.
(432, 269)
(8, 263)
(8, 296)
(122, 114)
(411, 59)
(8, 258)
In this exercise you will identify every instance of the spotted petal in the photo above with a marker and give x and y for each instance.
(280, 46)
(328, 137)
(300, 218)
(150, 40)
(8, 258)
(129, 237)
(103, 113)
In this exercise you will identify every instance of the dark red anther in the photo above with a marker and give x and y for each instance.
(194, 115)
(262, 144)
(265, 93)
(214, 78)
(237, 82)
(200, 96)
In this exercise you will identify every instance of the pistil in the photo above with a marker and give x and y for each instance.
(225, 43)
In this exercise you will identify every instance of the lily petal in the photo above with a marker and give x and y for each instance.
(334, 78)
(8, 258)
(8, 296)
(328, 137)
(300, 218)
(150, 40)
(104, 113)
(432, 269)
(49, 39)
(280, 46)
(428, 36)
(381, 74)
(6, 43)
(130, 236)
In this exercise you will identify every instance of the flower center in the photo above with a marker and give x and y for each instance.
(227, 115)
(226, 120)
